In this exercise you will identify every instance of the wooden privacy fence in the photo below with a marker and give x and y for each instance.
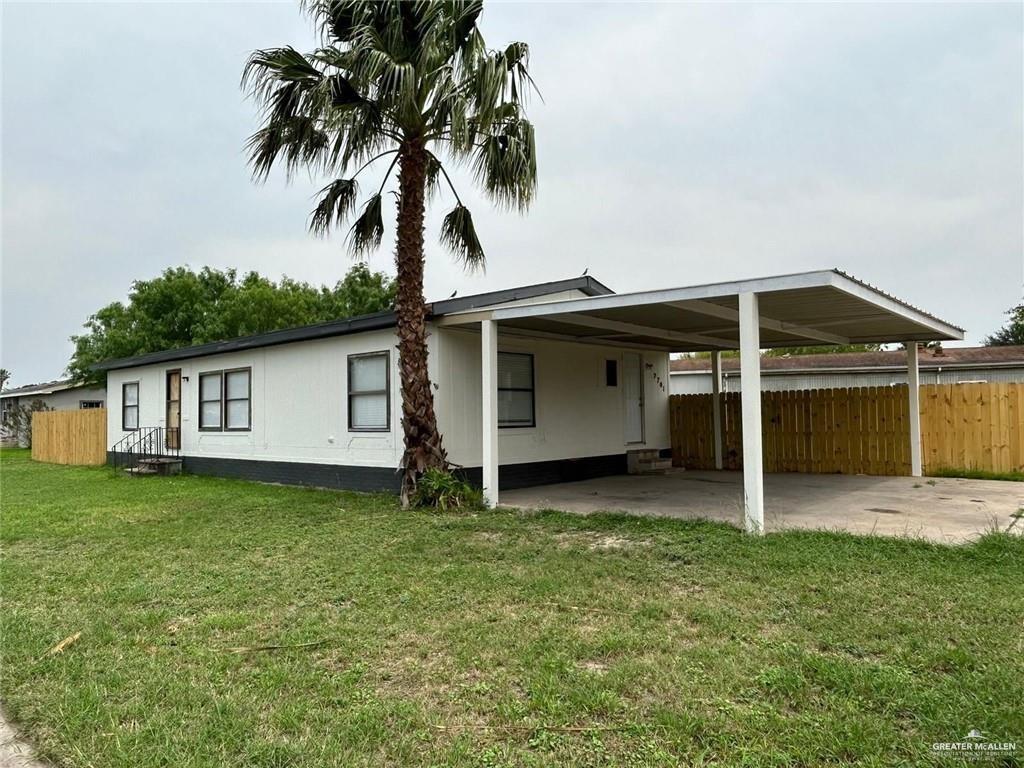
(973, 426)
(70, 437)
(863, 430)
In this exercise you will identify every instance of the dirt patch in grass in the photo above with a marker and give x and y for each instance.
(598, 542)
(593, 666)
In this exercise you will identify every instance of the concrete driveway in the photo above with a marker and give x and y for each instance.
(939, 509)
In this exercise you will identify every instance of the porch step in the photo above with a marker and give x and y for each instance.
(159, 466)
(646, 461)
(656, 466)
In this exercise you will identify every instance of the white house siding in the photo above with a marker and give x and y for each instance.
(687, 383)
(299, 404)
(577, 415)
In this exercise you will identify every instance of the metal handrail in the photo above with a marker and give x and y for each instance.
(146, 443)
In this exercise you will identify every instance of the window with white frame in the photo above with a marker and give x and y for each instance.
(369, 403)
(225, 400)
(515, 390)
(130, 405)
(85, 404)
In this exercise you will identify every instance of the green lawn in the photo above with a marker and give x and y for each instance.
(483, 639)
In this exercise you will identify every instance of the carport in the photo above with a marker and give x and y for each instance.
(821, 307)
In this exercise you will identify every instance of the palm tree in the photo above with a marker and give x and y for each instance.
(412, 81)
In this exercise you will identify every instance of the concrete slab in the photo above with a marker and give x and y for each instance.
(948, 510)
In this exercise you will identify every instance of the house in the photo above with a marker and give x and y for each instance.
(952, 365)
(321, 404)
(533, 385)
(62, 395)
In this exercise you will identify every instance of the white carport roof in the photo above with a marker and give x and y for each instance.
(789, 310)
(822, 307)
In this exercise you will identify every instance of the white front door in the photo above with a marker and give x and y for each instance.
(633, 392)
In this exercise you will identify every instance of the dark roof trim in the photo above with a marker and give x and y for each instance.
(286, 336)
(586, 284)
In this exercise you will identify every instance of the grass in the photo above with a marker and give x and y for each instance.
(491, 639)
(977, 474)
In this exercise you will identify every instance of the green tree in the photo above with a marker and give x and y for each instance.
(5, 376)
(1012, 332)
(821, 349)
(818, 349)
(412, 82)
(181, 308)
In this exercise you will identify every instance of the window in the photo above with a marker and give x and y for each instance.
(515, 390)
(611, 373)
(209, 401)
(83, 404)
(225, 400)
(238, 399)
(130, 405)
(369, 407)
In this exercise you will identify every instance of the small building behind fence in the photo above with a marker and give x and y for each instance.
(64, 395)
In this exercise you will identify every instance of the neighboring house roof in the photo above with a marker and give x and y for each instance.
(951, 357)
(46, 388)
(586, 285)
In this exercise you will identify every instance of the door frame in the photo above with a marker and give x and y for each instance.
(642, 399)
(167, 407)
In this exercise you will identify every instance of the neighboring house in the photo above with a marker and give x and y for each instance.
(692, 375)
(321, 404)
(57, 395)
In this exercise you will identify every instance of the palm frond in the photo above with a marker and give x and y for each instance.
(265, 67)
(433, 173)
(337, 200)
(367, 230)
(459, 235)
(505, 165)
(297, 140)
(343, 93)
(392, 76)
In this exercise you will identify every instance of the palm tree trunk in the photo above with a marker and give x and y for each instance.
(423, 447)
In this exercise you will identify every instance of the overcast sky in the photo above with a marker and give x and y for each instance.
(678, 144)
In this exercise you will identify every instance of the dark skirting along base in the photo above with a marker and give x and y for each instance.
(354, 478)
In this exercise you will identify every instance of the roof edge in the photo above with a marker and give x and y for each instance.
(584, 283)
(377, 321)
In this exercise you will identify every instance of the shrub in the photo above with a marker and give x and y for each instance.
(442, 490)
